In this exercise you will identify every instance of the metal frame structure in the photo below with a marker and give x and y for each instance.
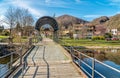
(48, 20)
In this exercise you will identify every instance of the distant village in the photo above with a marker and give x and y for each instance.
(99, 27)
(72, 27)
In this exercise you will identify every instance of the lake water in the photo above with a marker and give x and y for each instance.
(110, 57)
(107, 72)
(3, 69)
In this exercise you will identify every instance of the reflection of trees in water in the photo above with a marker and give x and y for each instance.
(7, 59)
(103, 54)
(114, 56)
(6, 49)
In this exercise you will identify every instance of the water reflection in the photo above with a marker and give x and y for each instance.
(107, 72)
(103, 54)
(3, 69)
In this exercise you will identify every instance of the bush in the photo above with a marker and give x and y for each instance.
(101, 37)
(5, 33)
(24, 37)
(108, 35)
(98, 38)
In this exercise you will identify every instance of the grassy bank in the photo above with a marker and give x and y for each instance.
(2, 37)
(86, 42)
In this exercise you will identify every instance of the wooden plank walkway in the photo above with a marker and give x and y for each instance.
(48, 60)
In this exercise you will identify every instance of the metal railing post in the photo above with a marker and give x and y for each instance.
(11, 61)
(93, 67)
(80, 56)
(71, 52)
(21, 60)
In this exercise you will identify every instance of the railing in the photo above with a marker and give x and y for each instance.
(23, 67)
(78, 59)
(23, 64)
(12, 64)
(15, 64)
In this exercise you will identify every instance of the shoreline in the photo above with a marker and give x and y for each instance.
(102, 47)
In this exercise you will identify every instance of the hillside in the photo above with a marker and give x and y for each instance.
(100, 20)
(114, 22)
(66, 20)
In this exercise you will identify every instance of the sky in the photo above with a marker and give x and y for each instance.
(84, 9)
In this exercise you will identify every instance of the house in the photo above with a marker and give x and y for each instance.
(83, 30)
(100, 30)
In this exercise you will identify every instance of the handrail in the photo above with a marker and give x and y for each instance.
(101, 62)
(108, 66)
(10, 63)
(23, 66)
(87, 65)
(95, 61)
(72, 50)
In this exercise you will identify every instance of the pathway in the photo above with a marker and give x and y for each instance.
(48, 60)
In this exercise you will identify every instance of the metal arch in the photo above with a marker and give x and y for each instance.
(46, 20)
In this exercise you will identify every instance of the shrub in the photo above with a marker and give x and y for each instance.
(101, 37)
(98, 38)
(24, 37)
(108, 35)
(5, 33)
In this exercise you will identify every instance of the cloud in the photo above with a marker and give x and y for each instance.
(118, 12)
(101, 3)
(114, 2)
(26, 5)
(47, 1)
(2, 22)
(22, 4)
(78, 1)
(55, 3)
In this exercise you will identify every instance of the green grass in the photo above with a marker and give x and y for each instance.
(86, 42)
(2, 37)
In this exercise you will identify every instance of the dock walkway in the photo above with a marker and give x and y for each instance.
(48, 60)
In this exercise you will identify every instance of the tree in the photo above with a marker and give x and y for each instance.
(108, 35)
(18, 28)
(23, 18)
(10, 15)
(1, 28)
(18, 17)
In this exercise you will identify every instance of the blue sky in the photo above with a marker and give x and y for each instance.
(85, 9)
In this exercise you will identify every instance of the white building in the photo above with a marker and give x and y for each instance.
(114, 31)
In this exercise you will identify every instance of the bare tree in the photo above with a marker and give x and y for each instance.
(18, 16)
(24, 18)
(10, 20)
